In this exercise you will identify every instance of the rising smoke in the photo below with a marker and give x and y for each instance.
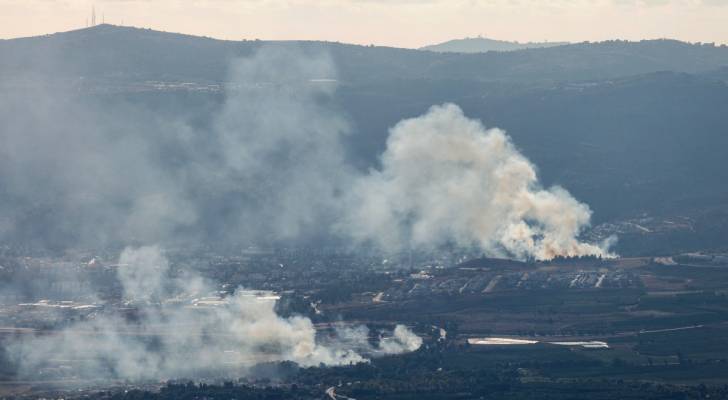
(173, 336)
(446, 180)
(280, 138)
(94, 170)
(270, 166)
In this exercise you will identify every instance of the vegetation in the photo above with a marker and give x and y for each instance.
(439, 373)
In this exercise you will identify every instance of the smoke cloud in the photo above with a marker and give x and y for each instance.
(258, 163)
(183, 328)
(268, 165)
(402, 341)
(446, 180)
(280, 138)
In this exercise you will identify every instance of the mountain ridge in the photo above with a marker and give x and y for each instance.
(483, 44)
(143, 54)
(630, 128)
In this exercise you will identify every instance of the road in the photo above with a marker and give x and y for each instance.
(331, 392)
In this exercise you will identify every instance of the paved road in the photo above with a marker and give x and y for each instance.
(331, 392)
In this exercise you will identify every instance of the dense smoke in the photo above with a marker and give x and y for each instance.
(259, 164)
(175, 335)
(269, 166)
(445, 180)
(403, 340)
(280, 139)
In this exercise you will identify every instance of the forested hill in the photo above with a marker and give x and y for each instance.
(107, 51)
(482, 45)
(634, 129)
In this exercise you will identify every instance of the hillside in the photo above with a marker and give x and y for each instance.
(483, 45)
(123, 53)
(632, 129)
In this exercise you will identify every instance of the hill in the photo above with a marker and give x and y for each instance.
(483, 45)
(631, 128)
(124, 53)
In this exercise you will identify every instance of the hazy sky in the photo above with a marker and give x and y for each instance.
(405, 23)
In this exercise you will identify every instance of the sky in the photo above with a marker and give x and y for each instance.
(400, 23)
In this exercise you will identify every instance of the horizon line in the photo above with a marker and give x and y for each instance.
(557, 42)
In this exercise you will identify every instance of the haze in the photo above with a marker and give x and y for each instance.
(363, 199)
(400, 23)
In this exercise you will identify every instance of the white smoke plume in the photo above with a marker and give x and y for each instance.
(403, 340)
(263, 163)
(280, 139)
(446, 180)
(400, 340)
(175, 336)
(142, 272)
(268, 167)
